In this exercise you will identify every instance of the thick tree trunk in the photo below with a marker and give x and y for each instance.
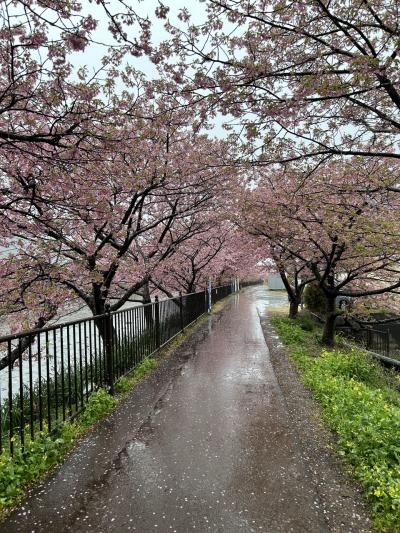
(148, 309)
(293, 291)
(328, 335)
(104, 325)
(293, 308)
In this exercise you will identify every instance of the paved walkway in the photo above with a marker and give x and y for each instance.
(212, 451)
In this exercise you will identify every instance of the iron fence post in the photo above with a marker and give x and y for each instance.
(109, 349)
(387, 338)
(181, 310)
(157, 321)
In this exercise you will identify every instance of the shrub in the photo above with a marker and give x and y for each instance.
(306, 323)
(314, 298)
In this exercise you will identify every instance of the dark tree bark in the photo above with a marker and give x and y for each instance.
(147, 309)
(293, 308)
(328, 334)
(294, 290)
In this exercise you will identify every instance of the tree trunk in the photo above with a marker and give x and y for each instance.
(328, 335)
(148, 309)
(99, 309)
(293, 308)
(294, 297)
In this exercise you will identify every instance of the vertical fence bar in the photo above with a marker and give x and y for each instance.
(109, 349)
(55, 374)
(157, 321)
(141, 338)
(69, 371)
(10, 401)
(80, 364)
(115, 343)
(122, 343)
(31, 417)
(86, 361)
(62, 372)
(91, 356)
(130, 338)
(21, 396)
(75, 368)
(181, 311)
(48, 382)
(137, 335)
(118, 345)
(40, 382)
(97, 354)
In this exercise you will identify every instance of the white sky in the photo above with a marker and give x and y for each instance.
(92, 55)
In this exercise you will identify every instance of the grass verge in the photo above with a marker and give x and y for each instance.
(361, 403)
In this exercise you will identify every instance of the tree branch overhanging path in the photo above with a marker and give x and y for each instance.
(268, 140)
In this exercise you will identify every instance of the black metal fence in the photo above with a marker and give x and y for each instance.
(249, 283)
(373, 340)
(217, 293)
(57, 368)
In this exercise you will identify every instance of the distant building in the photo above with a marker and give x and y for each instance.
(274, 282)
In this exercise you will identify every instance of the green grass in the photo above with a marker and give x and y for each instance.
(125, 383)
(361, 403)
(33, 462)
(41, 454)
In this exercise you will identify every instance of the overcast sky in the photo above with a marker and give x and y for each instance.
(92, 55)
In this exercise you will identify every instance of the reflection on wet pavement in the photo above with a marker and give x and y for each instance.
(215, 453)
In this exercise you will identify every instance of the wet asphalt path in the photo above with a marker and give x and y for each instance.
(215, 453)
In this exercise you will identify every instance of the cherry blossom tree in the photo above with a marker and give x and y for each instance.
(335, 224)
(96, 230)
(304, 78)
(51, 101)
(219, 253)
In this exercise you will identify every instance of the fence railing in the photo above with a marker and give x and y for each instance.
(373, 340)
(249, 283)
(57, 368)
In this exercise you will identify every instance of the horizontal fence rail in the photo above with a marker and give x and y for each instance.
(58, 367)
(373, 340)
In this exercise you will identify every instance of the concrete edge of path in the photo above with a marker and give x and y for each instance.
(61, 496)
(340, 498)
